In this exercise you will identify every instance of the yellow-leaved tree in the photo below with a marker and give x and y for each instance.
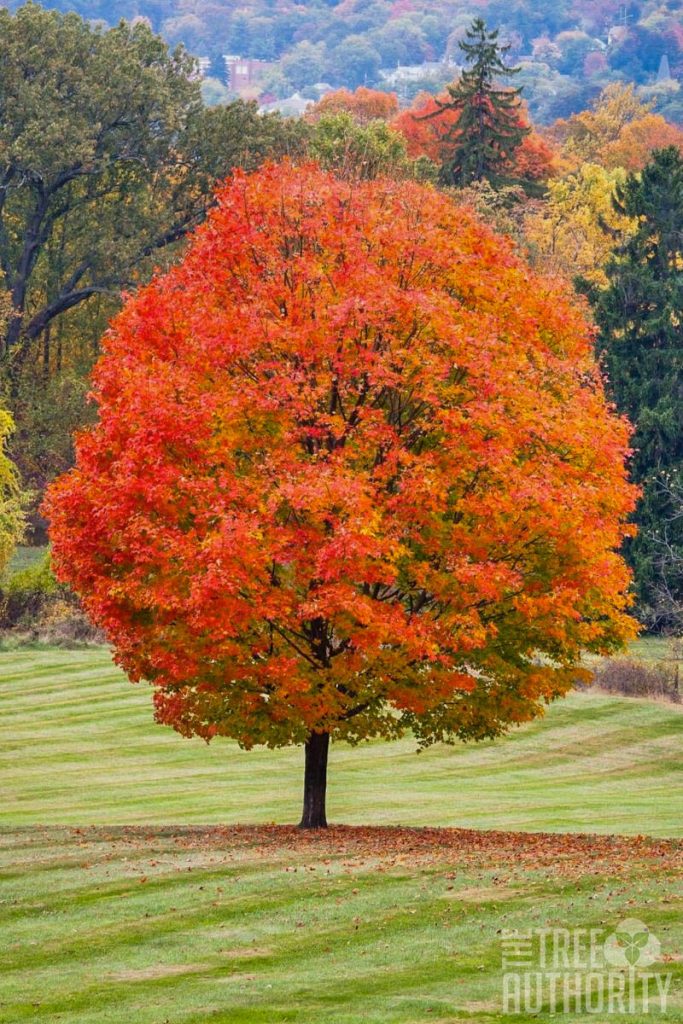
(620, 130)
(12, 520)
(584, 136)
(573, 233)
(11, 498)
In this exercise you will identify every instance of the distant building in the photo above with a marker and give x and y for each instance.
(411, 72)
(320, 89)
(617, 34)
(292, 106)
(664, 73)
(242, 73)
(203, 66)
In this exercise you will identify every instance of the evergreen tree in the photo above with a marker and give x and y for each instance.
(489, 128)
(640, 315)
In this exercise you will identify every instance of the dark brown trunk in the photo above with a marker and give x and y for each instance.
(315, 781)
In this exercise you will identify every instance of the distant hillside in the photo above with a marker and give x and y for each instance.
(568, 49)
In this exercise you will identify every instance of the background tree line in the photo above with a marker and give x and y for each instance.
(568, 50)
(109, 158)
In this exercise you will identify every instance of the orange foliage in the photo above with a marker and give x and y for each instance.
(354, 471)
(425, 134)
(619, 131)
(446, 853)
(638, 140)
(363, 104)
(535, 160)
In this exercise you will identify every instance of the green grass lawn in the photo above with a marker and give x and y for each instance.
(258, 926)
(186, 917)
(79, 746)
(24, 558)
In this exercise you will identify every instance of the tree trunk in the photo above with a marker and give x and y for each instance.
(315, 781)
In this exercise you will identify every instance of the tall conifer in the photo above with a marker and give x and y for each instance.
(640, 315)
(489, 129)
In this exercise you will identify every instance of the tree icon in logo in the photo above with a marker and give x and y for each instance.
(632, 944)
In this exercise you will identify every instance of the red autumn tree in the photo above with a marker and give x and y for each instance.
(354, 474)
(535, 160)
(362, 104)
(425, 126)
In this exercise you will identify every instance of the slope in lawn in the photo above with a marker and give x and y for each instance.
(262, 925)
(79, 746)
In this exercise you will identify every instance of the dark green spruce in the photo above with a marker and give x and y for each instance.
(640, 316)
(481, 143)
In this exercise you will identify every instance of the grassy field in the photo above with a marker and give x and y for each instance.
(258, 926)
(24, 558)
(129, 895)
(79, 746)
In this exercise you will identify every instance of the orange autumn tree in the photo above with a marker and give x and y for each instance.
(619, 131)
(425, 126)
(363, 104)
(638, 140)
(354, 474)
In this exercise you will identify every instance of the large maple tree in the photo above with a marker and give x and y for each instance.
(354, 474)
